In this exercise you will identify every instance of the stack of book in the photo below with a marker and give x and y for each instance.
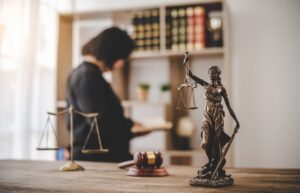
(185, 28)
(146, 30)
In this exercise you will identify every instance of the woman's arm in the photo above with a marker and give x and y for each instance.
(92, 96)
(197, 79)
(224, 94)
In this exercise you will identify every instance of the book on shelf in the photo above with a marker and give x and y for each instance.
(215, 29)
(190, 28)
(199, 27)
(168, 29)
(185, 28)
(174, 29)
(146, 30)
(182, 29)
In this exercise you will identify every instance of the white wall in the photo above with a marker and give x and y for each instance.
(155, 72)
(265, 62)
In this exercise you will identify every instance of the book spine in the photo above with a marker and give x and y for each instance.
(155, 30)
(174, 29)
(134, 33)
(139, 30)
(147, 30)
(168, 29)
(182, 25)
(199, 27)
(190, 28)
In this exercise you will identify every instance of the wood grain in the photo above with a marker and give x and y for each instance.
(64, 67)
(42, 176)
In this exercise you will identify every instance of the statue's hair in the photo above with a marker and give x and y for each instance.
(216, 68)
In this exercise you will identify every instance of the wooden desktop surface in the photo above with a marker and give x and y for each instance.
(43, 176)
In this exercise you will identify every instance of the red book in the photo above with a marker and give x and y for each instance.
(199, 27)
(190, 28)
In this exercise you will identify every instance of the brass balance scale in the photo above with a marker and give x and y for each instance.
(186, 100)
(72, 165)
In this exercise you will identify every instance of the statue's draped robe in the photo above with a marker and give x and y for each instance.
(213, 134)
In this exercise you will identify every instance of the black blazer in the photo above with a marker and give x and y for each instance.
(89, 92)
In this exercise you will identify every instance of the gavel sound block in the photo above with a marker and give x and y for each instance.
(145, 164)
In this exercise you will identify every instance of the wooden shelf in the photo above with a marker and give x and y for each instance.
(96, 8)
(167, 53)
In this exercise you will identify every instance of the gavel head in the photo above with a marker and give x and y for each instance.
(148, 159)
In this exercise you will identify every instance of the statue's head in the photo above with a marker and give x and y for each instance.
(214, 73)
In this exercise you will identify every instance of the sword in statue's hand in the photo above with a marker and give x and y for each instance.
(224, 154)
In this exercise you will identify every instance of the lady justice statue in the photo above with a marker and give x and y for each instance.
(213, 136)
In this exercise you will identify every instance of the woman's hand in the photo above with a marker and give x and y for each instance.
(139, 130)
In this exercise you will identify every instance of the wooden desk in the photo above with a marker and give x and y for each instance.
(40, 176)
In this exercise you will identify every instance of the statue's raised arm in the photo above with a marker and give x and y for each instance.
(189, 74)
(197, 79)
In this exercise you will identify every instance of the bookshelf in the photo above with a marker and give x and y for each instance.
(78, 25)
(169, 53)
(99, 19)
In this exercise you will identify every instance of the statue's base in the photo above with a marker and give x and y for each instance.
(217, 183)
(71, 166)
(147, 172)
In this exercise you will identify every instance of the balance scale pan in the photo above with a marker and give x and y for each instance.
(47, 148)
(92, 151)
(186, 108)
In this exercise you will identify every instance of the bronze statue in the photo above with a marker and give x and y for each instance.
(213, 136)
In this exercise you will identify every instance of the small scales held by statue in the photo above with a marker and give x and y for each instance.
(72, 165)
(215, 142)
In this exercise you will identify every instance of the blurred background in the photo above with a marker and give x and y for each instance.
(255, 43)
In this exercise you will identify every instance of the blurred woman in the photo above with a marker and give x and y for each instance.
(88, 92)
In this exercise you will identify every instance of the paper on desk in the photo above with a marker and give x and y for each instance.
(153, 124)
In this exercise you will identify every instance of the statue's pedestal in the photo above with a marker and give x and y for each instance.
(217, 183)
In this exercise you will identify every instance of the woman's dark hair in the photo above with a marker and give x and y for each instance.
(109, 46)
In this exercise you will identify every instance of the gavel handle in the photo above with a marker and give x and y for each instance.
(126, 164)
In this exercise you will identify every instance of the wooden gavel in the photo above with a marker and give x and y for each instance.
(148, 159)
